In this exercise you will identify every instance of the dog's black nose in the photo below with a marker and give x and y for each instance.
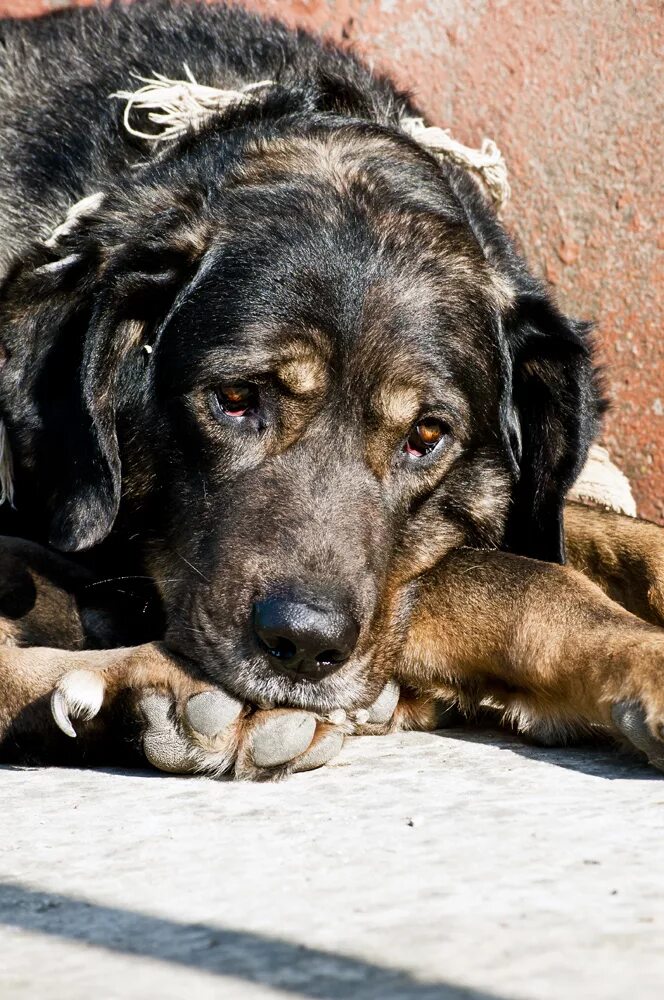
(300, 636)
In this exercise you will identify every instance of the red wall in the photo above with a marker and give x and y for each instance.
(573, 92)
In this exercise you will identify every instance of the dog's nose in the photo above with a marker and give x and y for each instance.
(299, 636)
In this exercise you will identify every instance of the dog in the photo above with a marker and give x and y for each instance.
(291, 423)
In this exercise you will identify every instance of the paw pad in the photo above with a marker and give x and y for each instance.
(209, 712)
(320, 752)
(281, 736)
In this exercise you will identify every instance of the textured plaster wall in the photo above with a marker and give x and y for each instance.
(573, 92)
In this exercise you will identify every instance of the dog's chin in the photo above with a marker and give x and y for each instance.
(252, 680)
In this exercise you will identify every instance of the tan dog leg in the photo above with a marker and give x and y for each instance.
(107, 705)
(540, 642)
(623, 555)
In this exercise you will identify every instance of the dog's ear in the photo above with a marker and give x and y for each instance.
(550, 418)
(75, 328)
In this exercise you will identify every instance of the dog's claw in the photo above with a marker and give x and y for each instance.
(337, 717)
(630, 718)
(79, 695)
(59, 712)
(281, 737)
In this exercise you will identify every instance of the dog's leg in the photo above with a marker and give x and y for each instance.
(623, 555)
(123, 706)
(126, 705)
(93, 686)
(123, 703)
(539, 642)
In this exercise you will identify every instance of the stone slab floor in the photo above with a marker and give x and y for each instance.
(417, 866)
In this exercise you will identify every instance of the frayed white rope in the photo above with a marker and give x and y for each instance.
(487, 162)
(175, 106)
(6, 468)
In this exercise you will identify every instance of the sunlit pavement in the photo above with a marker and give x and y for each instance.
(419, 865)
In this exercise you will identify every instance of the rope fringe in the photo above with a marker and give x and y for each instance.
(487, 162)
(175, 106)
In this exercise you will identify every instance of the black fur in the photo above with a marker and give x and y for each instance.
(306, 213)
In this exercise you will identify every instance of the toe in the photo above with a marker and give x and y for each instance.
(280, 736)
(78, 695)
(322, 750)
(209, 712)
(157, 709)
(163, 745)
(385, 704)
(630, 719)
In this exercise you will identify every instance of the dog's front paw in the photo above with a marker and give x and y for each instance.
(218, 735)
(192, 730)
(631, 720)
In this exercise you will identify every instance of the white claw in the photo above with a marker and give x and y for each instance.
(80, 695)
(59, 712)
(361, 716)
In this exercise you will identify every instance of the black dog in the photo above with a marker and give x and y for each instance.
(282, 364)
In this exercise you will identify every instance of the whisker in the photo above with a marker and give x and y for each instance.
(195, 569)
(116, 579)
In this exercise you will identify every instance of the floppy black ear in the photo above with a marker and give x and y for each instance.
(84, 475)
(72, 335)
(138, 290)
(550, 421)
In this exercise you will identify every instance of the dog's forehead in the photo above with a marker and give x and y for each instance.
(324, 287)
(400, 323)
(395, 342)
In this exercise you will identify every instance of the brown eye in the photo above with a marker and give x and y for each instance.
(236, 400)
(425, 436)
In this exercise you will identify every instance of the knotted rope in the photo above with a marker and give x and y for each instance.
(175, 106)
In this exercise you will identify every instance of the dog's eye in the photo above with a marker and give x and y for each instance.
(236, 400)
(426, 435)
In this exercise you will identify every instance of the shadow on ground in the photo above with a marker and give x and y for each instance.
(600, 758)
(255, 958)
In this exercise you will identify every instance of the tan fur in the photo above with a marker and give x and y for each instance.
(398, 405)
(304, 374)
(543, 645)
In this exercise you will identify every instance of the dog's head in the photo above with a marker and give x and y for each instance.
(301, 367)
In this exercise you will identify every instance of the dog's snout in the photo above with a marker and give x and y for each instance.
(300, 636)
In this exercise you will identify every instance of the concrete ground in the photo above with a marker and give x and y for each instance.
(416, 866)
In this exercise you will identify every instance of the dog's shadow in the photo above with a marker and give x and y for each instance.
(598, 757)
